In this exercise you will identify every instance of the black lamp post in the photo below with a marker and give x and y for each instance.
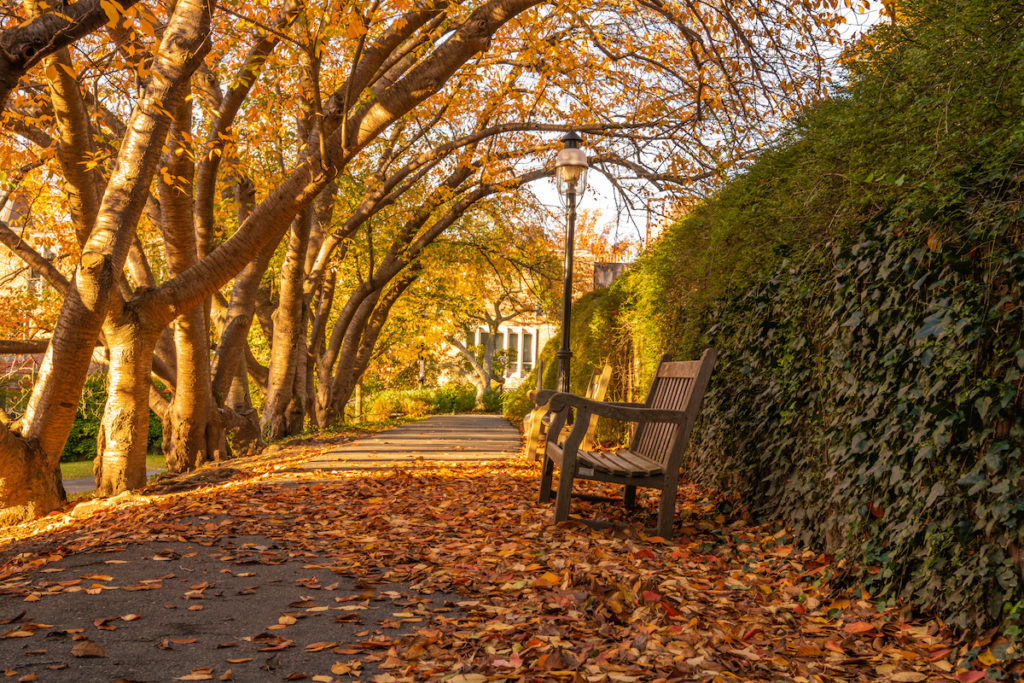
(571, 180)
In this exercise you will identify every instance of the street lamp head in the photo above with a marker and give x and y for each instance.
(571, 167)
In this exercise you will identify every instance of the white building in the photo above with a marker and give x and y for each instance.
(523, 340)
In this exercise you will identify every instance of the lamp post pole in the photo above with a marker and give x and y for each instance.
(571, 179)
(564, 354)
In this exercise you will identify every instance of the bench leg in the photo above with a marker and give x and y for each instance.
(564, 494)
(667, 512)
(545, 480)
(630, 497)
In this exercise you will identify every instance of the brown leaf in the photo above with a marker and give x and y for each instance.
(17, 633)
(859, 627)
(350, 667)
(280, 646)
(88, 648)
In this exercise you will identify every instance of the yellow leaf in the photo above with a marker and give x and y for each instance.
(112, 11)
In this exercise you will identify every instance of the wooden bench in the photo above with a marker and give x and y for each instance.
(654, 455)
(537, 421)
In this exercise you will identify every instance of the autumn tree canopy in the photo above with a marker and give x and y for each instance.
(187, 170)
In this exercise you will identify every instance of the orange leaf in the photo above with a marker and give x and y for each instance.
(859, 627)
(970, 676)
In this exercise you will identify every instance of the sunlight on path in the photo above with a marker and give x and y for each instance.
(442, 438)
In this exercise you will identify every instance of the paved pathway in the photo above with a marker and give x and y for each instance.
(447, 438)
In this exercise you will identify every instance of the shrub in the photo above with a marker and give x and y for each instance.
(81, 443)
(454, 398)
(451, 398)
(515, 404)
(492, 401)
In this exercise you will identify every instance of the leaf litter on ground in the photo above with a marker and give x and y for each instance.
(724, 600)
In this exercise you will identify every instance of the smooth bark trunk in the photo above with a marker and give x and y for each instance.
(124, 428)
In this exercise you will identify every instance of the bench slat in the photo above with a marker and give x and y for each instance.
(622, 463)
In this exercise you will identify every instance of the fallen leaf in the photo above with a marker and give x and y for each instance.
(88, 648)
(858, 627)
(970, 676)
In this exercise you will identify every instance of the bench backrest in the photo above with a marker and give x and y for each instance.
(678, 385)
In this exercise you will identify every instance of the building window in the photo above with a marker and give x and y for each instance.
(527, 352)
(513, 352)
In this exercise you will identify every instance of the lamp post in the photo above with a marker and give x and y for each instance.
(571, 181)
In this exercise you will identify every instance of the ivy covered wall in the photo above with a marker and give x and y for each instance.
(862, 283)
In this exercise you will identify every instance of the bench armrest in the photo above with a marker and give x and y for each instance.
(625, 412)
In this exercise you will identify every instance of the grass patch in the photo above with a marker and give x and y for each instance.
(83, 468)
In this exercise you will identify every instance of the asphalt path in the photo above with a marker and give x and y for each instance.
(240, 607)
(441, 438)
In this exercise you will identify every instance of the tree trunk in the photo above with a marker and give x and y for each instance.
(337, 392)
(194, 430)
(244, 428)
(31, 486)
(193, 425)
(284, 410)
(289, 327)
(121, 444)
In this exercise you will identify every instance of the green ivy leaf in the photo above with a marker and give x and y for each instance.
(933, 326)
(937, 490)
